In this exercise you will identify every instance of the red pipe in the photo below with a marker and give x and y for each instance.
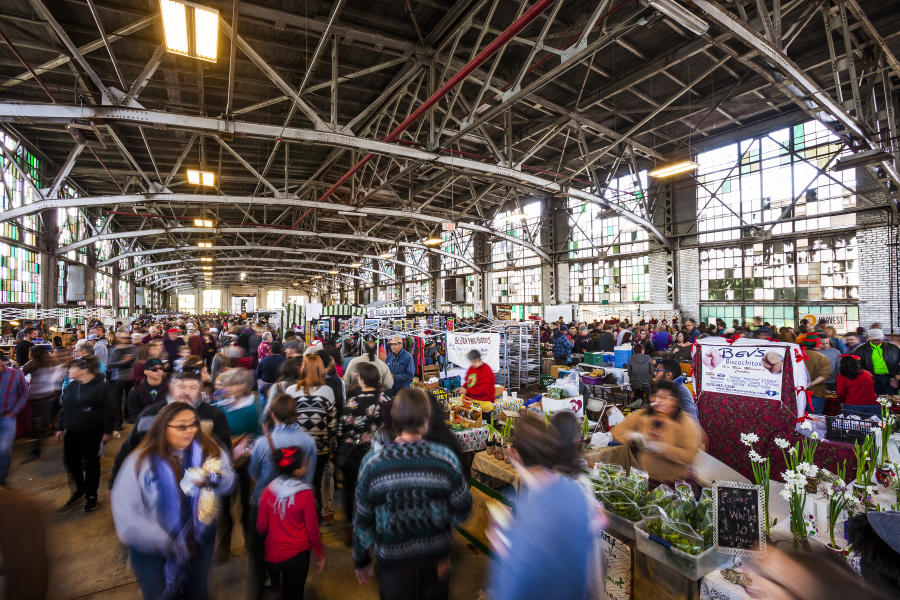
(523, 21)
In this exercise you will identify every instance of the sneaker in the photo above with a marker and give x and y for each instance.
(90, 504)
(72, 501)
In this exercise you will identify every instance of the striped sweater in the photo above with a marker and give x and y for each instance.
(408, 498)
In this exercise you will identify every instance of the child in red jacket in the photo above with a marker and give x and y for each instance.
(289, 522)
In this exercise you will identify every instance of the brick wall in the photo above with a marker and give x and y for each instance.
(876, 277)
(687, 283)
(658, 278)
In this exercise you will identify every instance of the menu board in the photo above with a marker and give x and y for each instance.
(739, 513)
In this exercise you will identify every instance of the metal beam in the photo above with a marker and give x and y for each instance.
(259, 230)
(64, 171)
(123, 256)
(11, 111)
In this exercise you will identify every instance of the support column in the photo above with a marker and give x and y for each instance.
(434, 266)
(554, 240)
(46, 242)
(482, 256)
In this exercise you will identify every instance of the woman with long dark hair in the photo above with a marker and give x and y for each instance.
(856, 388)
(681, 348)
(86, 420)
(165, 502)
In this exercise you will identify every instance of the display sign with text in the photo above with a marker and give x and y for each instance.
(386, 312)
(739, 513)
(839, 322)
(754, 371)
(460, 344)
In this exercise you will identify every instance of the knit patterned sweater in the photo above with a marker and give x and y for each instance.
(317, 414)
(408, 498)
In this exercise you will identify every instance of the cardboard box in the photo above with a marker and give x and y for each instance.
(429, 371)
(546, 366)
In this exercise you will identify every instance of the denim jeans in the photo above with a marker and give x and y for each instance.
(7, 437)
(818, 405)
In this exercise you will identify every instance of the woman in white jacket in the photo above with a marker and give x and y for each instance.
(165, 502)
(369, 355)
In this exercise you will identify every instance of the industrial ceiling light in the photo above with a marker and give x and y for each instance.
(190, 29)
(203, 223)
(206, 259)
(680, 167)
(433, 240)
(317, 277)
(680, 15)
(206, 267)
(386, 255)
(332, 272)
(356, 265)
(204, 244)
(204, 178)
(243, 275)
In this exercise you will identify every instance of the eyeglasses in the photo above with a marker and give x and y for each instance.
(194, 425)
(154, 369)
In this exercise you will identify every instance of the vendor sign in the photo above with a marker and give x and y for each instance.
(839, 322)
(382, 312)
(460, 344)
(754, 371)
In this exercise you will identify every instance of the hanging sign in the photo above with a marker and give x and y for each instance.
(839, 322)
(460, 344)
(739, 513)
(420, 308)
(382, 312)
(754, 371)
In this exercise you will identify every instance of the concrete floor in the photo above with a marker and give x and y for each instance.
(88, 561)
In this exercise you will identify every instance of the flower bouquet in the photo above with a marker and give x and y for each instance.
(761, 471)
(794, 493)
(840, 499)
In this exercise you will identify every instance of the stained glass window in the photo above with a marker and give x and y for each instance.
(103, 286)
(124, 294)
(20, 272)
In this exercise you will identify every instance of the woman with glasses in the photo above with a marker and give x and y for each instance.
(86, 420)
(165, 504)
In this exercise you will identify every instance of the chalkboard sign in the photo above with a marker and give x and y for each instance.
(739, 514)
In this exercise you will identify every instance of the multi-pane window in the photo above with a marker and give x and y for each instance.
(418, 290)
(103, 287)
(212, 300)
(458, 243)
(806, 268)
(522, 286)
(594, 228)
(274, 299)
(779, 315)
(20, 274)
(124, 294)
(524, 225)
(753, 183)
(187, 303)
(611, 281)
(388, 293)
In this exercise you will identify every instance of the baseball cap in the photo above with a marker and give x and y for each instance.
(876, 334)
(887, 525)
(174, 330)
(153, 363)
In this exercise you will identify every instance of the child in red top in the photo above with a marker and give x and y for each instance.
(479, 381)
(856, 388)
(289, 522)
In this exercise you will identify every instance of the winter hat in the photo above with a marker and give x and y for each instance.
(876, 334)
(811, 340)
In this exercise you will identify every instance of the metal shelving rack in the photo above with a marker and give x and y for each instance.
(522, 352)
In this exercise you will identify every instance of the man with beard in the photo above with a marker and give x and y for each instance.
(186, 387)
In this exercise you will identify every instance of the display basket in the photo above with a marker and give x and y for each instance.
(588, 380)
(845, 429)
(693, 566)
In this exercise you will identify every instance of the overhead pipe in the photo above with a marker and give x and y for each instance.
(460, 76)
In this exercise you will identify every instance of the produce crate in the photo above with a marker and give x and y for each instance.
(619, 525)
(845, 429)
(692, 566)
(593, 358)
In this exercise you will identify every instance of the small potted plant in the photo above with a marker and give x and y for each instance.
(761, 467)
(864, 460)
(794, 493)
(888, 420)
(505, 435)
(840, 499)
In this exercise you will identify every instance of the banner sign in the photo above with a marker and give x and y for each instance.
(754, 371)
(460, 344)
(382, 312)
(839, 322)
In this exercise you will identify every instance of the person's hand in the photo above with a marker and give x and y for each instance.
(653, 447)
(106, 437)
(895, 383)
(635, 436)
(320, 565)
(59, 435)
(364, 574)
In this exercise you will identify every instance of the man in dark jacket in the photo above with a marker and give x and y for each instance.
(267, 369)
(172, 343)
(186, 387)
(121, 359)
(24, 346)
(882, 359)
(604, 341)
(583, 341)
(150, 390)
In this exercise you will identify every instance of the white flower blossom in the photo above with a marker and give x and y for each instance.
(884, 400)
(808, 469)
(871, 490)
(749, 439)
(755, 457)
(781, 443)
(786, 494)
(807, 425)
(876, 431)
(814, 435)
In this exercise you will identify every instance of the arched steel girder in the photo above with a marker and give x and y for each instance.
(276, 230)
(156, 277)
(121, 257)
(248, 260)
(182, 282)
(60, 113)
(84, 202)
